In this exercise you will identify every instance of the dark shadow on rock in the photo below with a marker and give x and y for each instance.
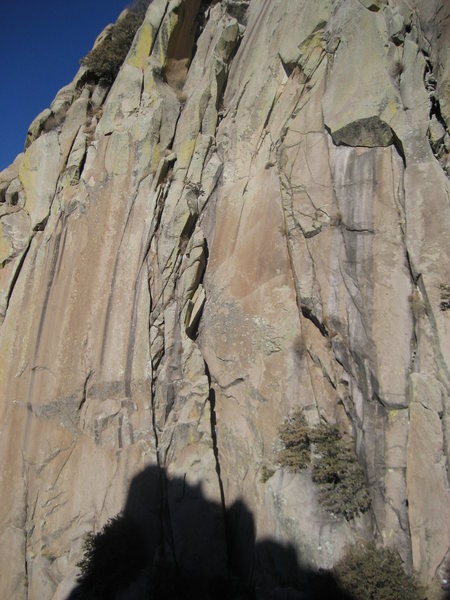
(171, 543)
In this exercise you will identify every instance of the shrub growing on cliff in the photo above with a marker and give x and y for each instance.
(105, 60)
(335, 466)
(337, 472)
(370, 573)
(266, 474)
(295, 453)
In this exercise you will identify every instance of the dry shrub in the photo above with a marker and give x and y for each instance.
(335, 467)
(445, 297)
(295, 454)
(337, 472)
(105, 60)
(370, 573)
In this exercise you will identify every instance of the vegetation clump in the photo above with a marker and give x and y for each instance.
(266, 474)
(105, 59)
(445, 297)
(337, 472)
(335, 466)
(295, 453)
(370, 573)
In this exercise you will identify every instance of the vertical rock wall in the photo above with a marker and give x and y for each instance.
(254, 218)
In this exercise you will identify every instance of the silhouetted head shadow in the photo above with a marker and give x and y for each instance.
(170, 542)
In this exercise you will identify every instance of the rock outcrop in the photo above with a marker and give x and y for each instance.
(254, 218)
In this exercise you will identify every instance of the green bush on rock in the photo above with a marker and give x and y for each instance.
(335, 466)
(370, 573)
(337, 472)
(295, 453)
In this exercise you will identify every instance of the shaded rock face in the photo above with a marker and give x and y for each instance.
(253, 219)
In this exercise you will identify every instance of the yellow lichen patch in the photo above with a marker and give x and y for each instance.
(391, 110)
(141, 47)
(393, 414)
(156, 158)
(117, 155)
(149, 82)
(313, 41)
(149, 152)
(27, 176)
(38, 175)
(164, 36)
(311, 52)
(194, 414)
(185, 153)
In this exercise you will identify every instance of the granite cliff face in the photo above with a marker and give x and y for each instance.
(253, 218)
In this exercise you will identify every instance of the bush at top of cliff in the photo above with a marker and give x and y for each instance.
(105, 60)
(370, 573)
(335, 468)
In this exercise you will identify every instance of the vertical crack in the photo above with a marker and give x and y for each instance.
(25, 529)
(213, 420)
(26, 560)
(436, 141)
(167, 556)
(84, 393)
(18, 271)
(295, 282)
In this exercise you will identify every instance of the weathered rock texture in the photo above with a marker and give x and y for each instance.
(252, 219)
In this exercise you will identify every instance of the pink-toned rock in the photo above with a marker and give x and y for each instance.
(253, 220)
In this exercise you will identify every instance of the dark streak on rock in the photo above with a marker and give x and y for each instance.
(84, 394)
(51, 279)
(113, 283)
(308, 314)
(145, 245)
(212, 405)
(17, 273)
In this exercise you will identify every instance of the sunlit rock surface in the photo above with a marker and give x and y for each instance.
(254, 218)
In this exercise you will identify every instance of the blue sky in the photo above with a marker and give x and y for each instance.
(41, 44)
